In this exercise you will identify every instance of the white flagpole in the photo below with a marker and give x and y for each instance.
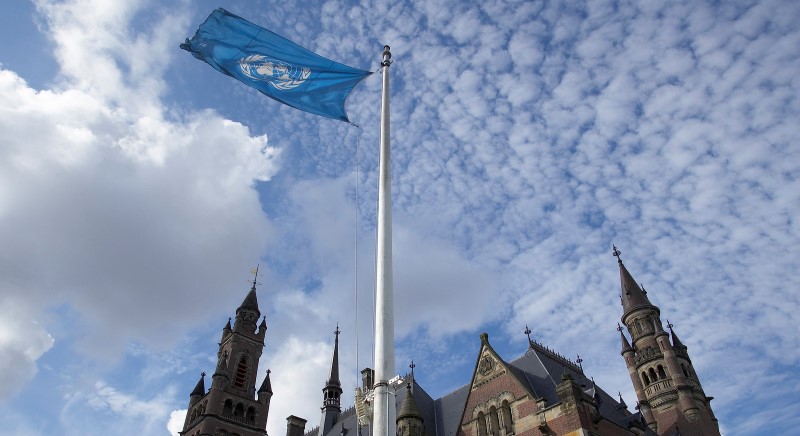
(384, 411)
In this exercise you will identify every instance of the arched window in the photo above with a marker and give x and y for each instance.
(645, 378)
(508, 422)
(661, 373)
(481, 424)
(495, 421)
(227, 409)
(241, 372)
(239, 410)
(251, 414)
(653, 376)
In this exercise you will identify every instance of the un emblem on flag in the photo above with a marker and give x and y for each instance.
(279, 74)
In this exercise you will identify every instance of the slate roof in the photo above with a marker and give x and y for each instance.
(633, 297)
(250, 301)
(539, 369)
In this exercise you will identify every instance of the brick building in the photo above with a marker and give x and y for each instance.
(538, 393)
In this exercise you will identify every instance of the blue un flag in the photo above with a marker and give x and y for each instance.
(277, 67)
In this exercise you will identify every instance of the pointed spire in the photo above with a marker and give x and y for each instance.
(200, 388)
(622, 404)
(675, 341)
(409, 408)
(632, 295)
(626, 346)
(333, 379)
(266, 386)
(331, 393)
(228, 325)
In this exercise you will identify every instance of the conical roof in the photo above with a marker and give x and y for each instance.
(266, 386)
(250, 302)
(626, 346)
(200, 388)
(675, 341)
(633, 296)
(409, 408)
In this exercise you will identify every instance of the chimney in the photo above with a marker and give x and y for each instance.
(295, 426)
(367, 378)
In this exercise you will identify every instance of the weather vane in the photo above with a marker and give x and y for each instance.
(254, 272)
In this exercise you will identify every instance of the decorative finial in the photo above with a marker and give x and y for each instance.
(579, 361)
(528, 332)
(619, 328)
(412, 366)
(616, 254)
(669, 325)
(387, 56)
(254, 272)
(203, 374)
(269, 371)
(644, 291)
(337, 331)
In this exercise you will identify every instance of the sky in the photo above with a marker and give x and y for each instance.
(138, 187)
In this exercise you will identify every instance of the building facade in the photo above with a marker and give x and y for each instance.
(539, 393)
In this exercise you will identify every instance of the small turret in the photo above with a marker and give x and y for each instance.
(409, 420)
(266, 387)
(265, 395)
(332, 392)
(198, 391)
(675, 341)
(626, 346)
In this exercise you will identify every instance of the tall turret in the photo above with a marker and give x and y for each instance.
(231, 404)
(670, 395)
(332, 392)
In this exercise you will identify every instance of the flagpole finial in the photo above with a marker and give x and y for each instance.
(387, 56)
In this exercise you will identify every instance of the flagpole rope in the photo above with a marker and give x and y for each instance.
(355, 245)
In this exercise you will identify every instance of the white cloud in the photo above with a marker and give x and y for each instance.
(22, 342)
(175, 423)
(299, 369)
(112, 410)
(95, 173)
